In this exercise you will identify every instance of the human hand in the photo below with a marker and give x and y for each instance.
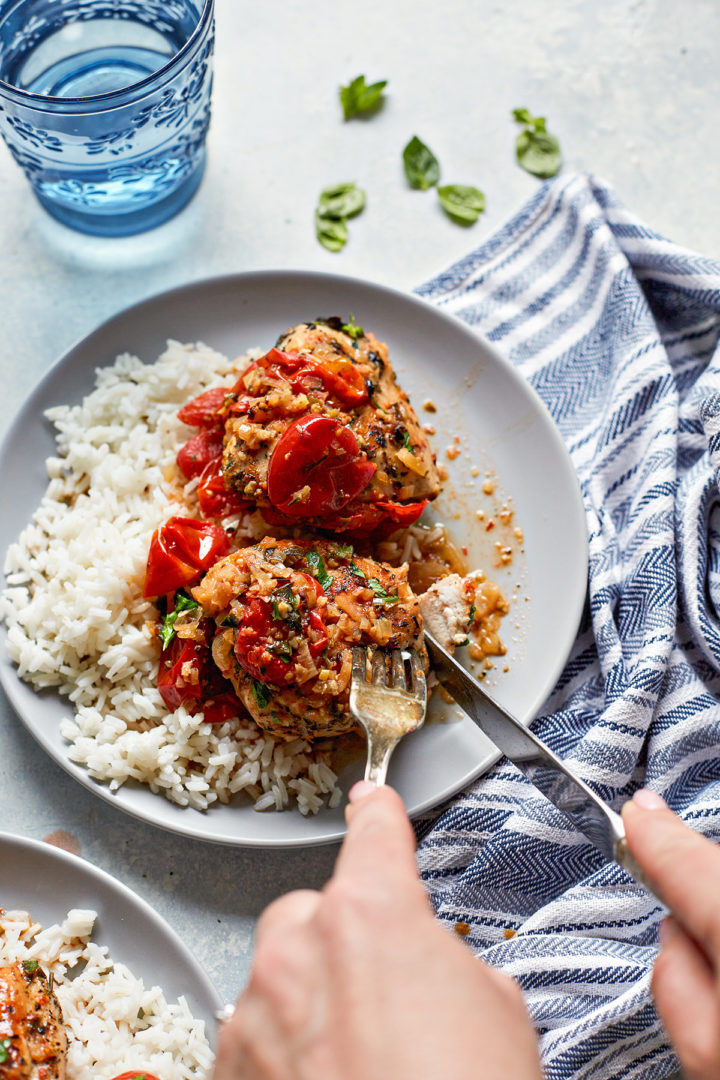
(685, 867)
(359, 982)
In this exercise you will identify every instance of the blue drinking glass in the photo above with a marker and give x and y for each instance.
(106, 104)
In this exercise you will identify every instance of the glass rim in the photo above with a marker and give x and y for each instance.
(110, 97)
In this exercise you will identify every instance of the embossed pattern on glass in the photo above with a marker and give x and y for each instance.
(105, 104)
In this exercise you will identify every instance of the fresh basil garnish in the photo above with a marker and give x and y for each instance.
(5, 1045)
(355, 569)
(262, 694)
(406, 442)
(471, 617)
(315, 561)
(422, 168)
(462, 202)
(352, 329)
(537, 151)
(183, 602)
(30, 965)
(381, 593)
(357, 97)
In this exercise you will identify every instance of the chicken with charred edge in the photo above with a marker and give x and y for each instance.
(287, 614)
(33, 1041)
(315, 432)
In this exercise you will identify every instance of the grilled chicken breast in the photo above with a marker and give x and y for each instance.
(33, 1042)
(317, 431)
(287, 614)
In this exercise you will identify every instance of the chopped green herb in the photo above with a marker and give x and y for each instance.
(537, 151)
(422, 168)
(262, 694)
(357, 97)
(355, 569)
(5, 1045)
(286, 596)
(315, 561)
(407, 444)
(282, 649)
(460, 644)
(343, 551)
(30, 965)
(352, 329)
(381, 593)
(471, 617)
(341, 201)
(183, 602)
(462, 203)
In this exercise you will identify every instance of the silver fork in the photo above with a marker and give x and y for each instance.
(387, 710)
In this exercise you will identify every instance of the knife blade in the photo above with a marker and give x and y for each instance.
(544, 769)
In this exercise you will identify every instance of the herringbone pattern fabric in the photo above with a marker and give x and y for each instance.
(617, 329)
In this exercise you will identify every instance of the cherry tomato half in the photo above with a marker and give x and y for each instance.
(222, 707)
(179, 675)
(217, 500)
(180, 551)
(364, 518)
(136, 1074)
(198, 451)
(336, 375)
(201, 411)
(319, 453)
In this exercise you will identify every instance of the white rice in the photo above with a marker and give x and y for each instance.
(112, 1021)
(75, 613)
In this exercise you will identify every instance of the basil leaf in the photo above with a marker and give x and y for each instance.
(357, 571)
(183, 602)
(262, 694)
(462, 202)
(352, 329)
(407, 444)
(381, 593)
(341, 201)
(537, 151)
(343, 551)
(471, 617)
(422, 168)
(358, 97)
(5, 1045)
(30, 965)
(330, 233)
(314, 560)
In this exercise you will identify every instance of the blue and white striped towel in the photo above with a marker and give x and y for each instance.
(617, 329)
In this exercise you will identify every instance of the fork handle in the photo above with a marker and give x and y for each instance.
(379, 752)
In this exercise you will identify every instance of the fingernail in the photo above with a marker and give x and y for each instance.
(668, 930)
(360, 790)
(649, 800)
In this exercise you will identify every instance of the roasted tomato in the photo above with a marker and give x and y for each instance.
(215, 499)
(179, 676)
(181, 551)
(202, 410)
(271, 628)
(316, 467)
(198, 451)
(338, 377)
(136, 1074)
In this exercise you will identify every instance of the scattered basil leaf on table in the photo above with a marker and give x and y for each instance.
(462, 202)
(422, 168)
(336, 204)
(342, 200)
(537, 151)
(357, 97)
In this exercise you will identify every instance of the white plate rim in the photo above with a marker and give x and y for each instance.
(269, 278)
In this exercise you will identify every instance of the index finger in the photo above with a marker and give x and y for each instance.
(379, 848)
(683, 864)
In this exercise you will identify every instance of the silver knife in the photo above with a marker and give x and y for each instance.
(548, 773)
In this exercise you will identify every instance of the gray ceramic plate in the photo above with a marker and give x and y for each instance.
(504, 430)
(48, 882)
